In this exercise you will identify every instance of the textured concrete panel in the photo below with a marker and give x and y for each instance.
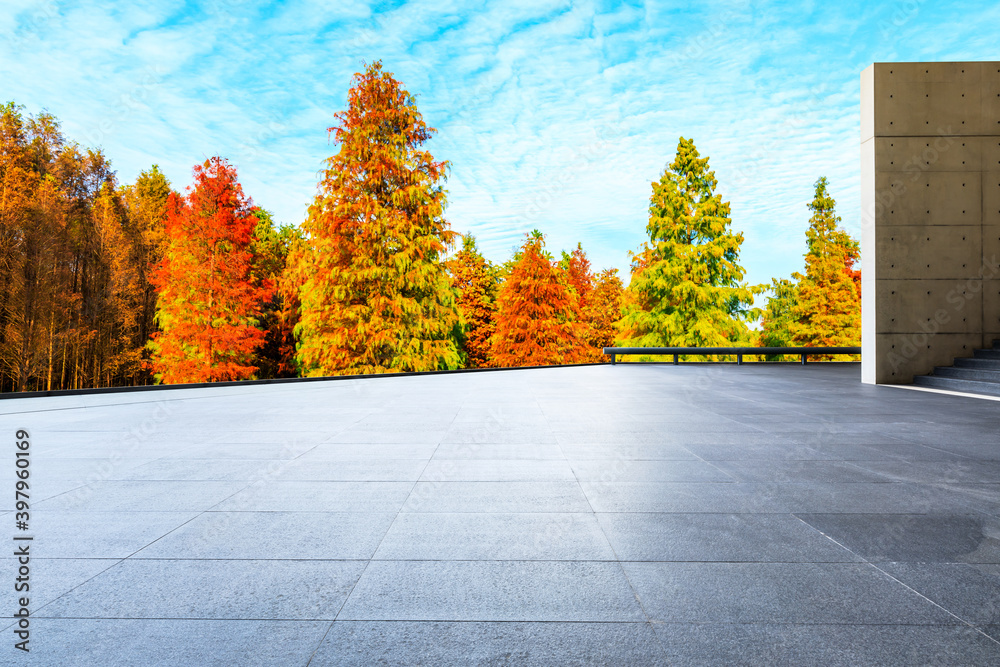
(932, 251)
(929, 306)
(929, 108)
(991, 198)
(930, 201)
(920, 154)
(903, 355)
(929, 198)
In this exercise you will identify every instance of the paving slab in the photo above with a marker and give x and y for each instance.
(634, 514)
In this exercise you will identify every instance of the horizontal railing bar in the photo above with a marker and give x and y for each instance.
(702, 351)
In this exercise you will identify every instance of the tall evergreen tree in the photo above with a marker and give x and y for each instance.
(827, 311)
(686, 287)
(537, 314)
(209, 304)
(477, 283)
(375, 294)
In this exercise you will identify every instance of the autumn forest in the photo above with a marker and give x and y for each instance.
(105, 283)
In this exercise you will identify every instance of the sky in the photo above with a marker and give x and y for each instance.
(553, 115)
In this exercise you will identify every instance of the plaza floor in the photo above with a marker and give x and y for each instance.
(634, 514)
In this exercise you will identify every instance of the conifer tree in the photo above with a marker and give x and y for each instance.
(375, 295)
(686, 287)
(603, 311)
(537, 314)
(827, 311)
(477, 283)
(208, 303)
(777, 316)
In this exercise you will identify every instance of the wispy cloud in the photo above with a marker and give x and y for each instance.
(554, 115)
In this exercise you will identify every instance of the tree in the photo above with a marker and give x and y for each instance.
(537, 314)
(375, 295)
(604, 310)
(269, 250)
(686, 287)
(599, 300)
(777, 316)
(477, 282)
(209, 303)
(827, 311)
(146, 206)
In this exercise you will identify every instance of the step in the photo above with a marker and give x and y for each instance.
(987, 354)
(982, 364)
(980, 374)
(953, 384)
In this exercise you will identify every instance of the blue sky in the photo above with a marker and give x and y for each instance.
(554, 115)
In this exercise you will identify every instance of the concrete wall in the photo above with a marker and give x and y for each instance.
(930, 201)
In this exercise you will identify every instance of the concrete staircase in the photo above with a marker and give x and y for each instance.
(978, 375)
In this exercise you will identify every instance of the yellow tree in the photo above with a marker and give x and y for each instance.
(375, 295)
(827, 308)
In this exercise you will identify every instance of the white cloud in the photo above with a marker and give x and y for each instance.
(554, 115)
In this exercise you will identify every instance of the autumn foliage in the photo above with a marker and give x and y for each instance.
(375, 294)
(209, 304)
(477, 283)
(827, 311)
(537, 314)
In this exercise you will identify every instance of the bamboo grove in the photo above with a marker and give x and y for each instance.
(111, 284)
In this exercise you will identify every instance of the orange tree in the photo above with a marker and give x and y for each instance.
(599, 300)
(537, 314)
(827, 308)
(375, 295)
(208, 302)
(477, 282)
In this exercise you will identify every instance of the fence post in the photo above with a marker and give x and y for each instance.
(676, 358)
(803, 358)
(739, 359)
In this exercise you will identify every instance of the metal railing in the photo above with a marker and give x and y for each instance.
(739, 352)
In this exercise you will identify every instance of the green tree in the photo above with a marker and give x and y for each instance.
(375, 294)
(777, 316)
(827, 311)
(686, 287)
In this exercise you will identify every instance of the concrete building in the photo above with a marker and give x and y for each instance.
(930, 198)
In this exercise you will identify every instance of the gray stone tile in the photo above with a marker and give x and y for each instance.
(625, 452)
(685, 497)
(971, 592)
(274, 535)
(143, 496)
(482, 536)
(169, 642)
(365, 470)
(400, 436)
(719, 537)
(504, 434)
(798, 471)
(91, 534)
(496, 497)
(292, 496)
(937, 538)
(51, 578)
(169, 469)
(772, 450)
(494, 452)
(497, 470)
(631, 470)
(828, 645)
(492, 591)
(936, 472)
(876, 498)
(368, 451)
(213, 589)
(288, 449)
(778, 593)
(474, 643)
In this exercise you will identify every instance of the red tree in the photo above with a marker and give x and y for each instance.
(208, 303)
